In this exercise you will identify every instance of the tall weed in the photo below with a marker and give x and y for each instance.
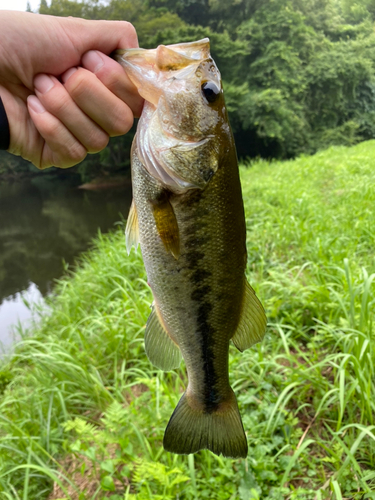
(82, 408)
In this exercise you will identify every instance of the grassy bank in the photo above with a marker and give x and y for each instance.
(82, 411)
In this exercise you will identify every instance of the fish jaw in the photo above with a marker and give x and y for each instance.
(149, 64)
(148, 69)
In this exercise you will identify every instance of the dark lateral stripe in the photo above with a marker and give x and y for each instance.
(205, 332)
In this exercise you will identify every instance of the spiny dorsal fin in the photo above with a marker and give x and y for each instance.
(253, 321)
(166, 224)
(132, 229)
(161, 350)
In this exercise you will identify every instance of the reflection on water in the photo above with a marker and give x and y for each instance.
(42, 224)
(14, 310)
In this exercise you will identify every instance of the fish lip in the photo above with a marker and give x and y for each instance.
(194, 49)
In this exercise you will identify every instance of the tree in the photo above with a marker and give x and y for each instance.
(297, 75)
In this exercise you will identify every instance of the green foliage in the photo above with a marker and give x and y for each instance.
(113, 160)
(110, 451)
(5, 379)
(12, 167)
(83, 408)
(299, 76)
(357, 11)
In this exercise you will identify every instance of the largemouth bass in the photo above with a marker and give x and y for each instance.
(188, 216)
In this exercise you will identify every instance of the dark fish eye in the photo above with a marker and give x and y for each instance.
(210, 91)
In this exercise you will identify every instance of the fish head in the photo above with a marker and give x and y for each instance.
(184, 125)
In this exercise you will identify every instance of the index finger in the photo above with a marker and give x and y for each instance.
(113, 76)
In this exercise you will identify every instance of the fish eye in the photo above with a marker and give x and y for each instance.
(210, 91)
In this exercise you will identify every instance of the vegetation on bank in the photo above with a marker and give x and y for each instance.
(82, 411)
(298, 75)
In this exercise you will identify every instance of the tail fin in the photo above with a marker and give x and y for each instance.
(221, 431)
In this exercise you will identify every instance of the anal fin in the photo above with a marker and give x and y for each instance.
(253, 321)
(132, 229)
(161, 350)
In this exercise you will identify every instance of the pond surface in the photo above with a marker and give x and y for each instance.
(44, 223)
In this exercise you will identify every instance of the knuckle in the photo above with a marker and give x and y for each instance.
(59, 105)
(72, 154)
(122, 124)
(98, 142)
(76, 153)
(54, 130)
(77, 84)
(112, 79)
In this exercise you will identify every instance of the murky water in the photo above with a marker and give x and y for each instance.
(44, 223)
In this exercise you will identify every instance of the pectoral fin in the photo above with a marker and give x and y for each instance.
(132, 229)
(161, 350)
(166, 224)
(253, 322)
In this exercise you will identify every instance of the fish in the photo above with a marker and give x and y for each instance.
(187, 214)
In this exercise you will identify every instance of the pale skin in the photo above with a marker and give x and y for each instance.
(63, 95)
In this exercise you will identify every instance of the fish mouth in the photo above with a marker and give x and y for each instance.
(149, 68)
(164, 56)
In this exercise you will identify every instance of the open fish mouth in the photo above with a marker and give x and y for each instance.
(148, 69)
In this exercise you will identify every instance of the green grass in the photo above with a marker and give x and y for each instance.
(82, 408)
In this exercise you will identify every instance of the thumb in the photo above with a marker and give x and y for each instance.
(105, 36)
(33, 44)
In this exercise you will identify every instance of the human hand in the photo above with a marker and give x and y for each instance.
(64, 97)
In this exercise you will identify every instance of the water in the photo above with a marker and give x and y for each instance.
(44, 223)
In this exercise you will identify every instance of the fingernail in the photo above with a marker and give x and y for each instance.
(35, 104)
(65, 77)
(43, 83)
(93, 61)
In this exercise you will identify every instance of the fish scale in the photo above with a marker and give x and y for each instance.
(188, 217)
